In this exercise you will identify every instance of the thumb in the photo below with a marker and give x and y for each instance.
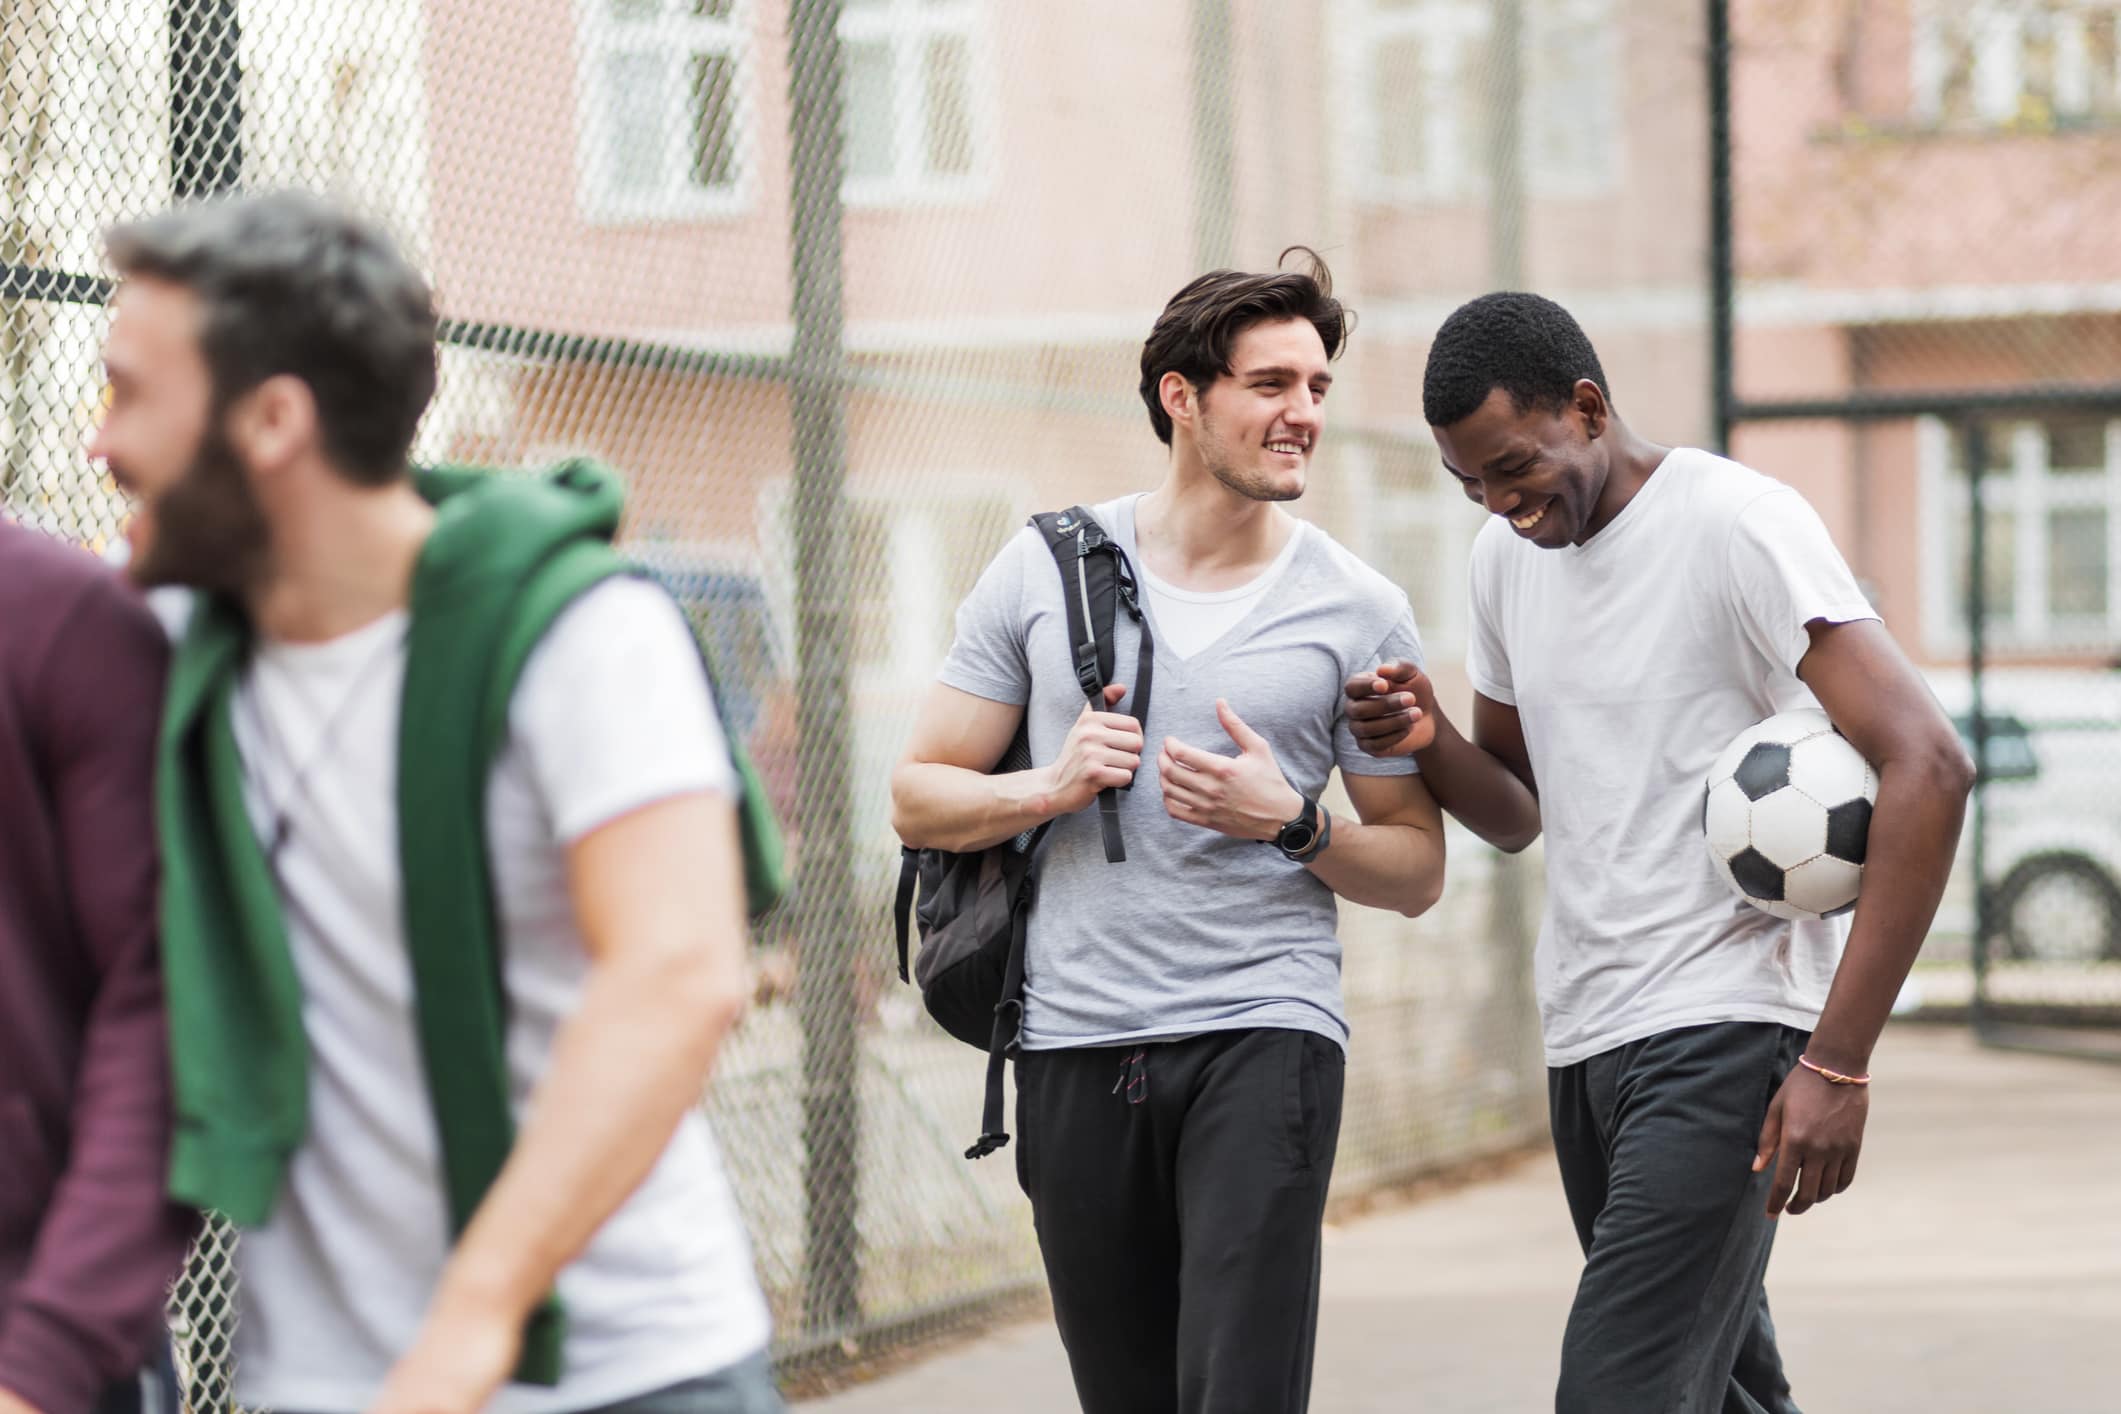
(1114, 691)
(1770, 1136)
(1244, 736)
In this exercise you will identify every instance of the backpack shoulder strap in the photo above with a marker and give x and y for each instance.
(1096, 580)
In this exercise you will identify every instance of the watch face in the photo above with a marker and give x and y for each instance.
(1297, 838)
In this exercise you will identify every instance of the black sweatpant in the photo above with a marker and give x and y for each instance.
(1178, 1189)
(1656, 1142)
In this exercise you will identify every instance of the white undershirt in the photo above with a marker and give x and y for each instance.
(1188, 620)
(612, 713)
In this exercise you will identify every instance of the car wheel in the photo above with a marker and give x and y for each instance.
(2060, 908)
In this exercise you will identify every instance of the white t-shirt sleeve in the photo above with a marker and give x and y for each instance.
(1487, 659)
(613, 711)
(987, 657)
(1402, 643)
(1785, 573)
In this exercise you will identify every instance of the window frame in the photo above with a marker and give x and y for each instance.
(676, 39)
(1446, 28)
(1994, 32)
(2031, 493)
(905, 28)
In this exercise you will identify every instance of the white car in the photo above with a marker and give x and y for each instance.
(2052, 853)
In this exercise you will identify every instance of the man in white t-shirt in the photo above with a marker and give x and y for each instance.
(1634, 607)
(268, 361)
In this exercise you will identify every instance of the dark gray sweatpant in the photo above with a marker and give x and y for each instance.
(1656, 1141)
(1177, 1187)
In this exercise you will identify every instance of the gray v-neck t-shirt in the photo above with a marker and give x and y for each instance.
(1194, 931)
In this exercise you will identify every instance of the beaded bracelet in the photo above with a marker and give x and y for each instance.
(1832, 1077)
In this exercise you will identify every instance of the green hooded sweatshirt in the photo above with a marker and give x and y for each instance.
(506, 556)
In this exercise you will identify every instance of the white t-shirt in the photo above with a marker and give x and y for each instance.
(1188, 620)
(612, 713)
(1632, 660)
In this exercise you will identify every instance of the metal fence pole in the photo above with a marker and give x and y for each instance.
(1506, 213)
(1722, 248)
(205, 98)
(1214, 137)
(1974, 433)
(825, 918)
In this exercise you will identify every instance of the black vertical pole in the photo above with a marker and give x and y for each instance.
(206, 159)
(1214, 137)
(824, 914)
(1974, 441)
(205, 98)
(1722, 250)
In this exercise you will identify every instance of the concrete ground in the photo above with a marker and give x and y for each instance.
(1975, 1266)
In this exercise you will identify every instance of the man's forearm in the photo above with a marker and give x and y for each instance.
(1914, 836)
(1399, 867)
(1478, 789)
(625, 1068)
(934, 806)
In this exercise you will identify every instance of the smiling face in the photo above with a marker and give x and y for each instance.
(1546, 471)
(196, 521)
(1255, 427)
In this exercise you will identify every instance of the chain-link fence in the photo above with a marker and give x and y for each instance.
(1928, 318)
(846, 288)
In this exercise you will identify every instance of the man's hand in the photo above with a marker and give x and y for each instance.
(11, 1403)
(1244, 796)
(457, 1364)
(1392, 711)
(1103, 749)
(1813, 1134)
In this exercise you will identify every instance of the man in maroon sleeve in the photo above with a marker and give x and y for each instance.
(88, 1243)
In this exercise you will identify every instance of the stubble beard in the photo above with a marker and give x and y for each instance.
(1215, 455)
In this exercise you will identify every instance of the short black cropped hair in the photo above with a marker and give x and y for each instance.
(1524, 344)
(291, 283)
(1199, 327)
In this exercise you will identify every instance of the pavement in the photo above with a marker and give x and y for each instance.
(1975, 1268)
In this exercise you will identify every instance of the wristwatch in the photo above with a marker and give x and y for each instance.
(1307, 834)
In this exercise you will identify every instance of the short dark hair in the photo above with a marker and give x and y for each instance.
(1524, 344)
(1199, 327)
(292, 284)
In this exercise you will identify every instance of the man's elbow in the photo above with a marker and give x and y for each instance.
(905, 818)
(1956, 766)
(709, 986)
(1515, 843)
(1423, 896)
(1942, 766)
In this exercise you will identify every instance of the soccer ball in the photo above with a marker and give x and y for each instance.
(1787, 813)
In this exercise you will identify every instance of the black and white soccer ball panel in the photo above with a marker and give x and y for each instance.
(1787, 815)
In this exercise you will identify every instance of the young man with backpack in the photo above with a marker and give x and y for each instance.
(1635, 607)
(1180, 1065)
(453, 898)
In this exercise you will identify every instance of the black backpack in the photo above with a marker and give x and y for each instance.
(974, 907)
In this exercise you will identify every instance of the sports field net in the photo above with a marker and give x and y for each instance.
(845, 291)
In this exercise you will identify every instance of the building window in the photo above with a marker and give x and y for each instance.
(2051, 522)
(666, 111)
(2023, 63)
(911, 107)
(1429, 75)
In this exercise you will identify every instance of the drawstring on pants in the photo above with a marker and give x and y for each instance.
(1134, 1077)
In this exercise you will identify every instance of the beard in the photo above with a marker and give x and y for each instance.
(1218, 457)
(209, 532)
